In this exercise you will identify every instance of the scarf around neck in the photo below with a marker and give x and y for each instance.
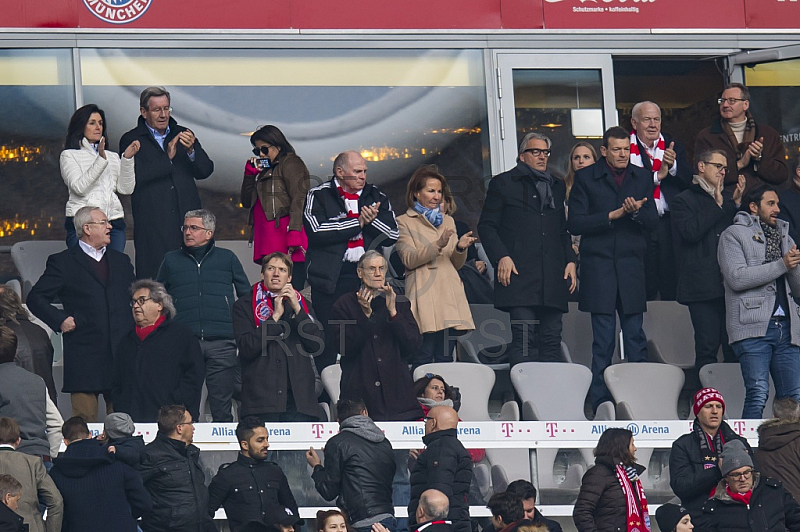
(743, 498)
(635, 499)
(655, 163)
(544, 186)
(355, 246)
(144, 332)
(707, 187)
(773, 235)
(434, 216)
(364, 427)
(710, 448)
(264, 303)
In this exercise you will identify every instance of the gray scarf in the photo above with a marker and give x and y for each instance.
(364, 427)
(773, 235)
(430, 403)
(544, 185)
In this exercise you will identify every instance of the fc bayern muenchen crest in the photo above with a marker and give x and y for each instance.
(118, 11)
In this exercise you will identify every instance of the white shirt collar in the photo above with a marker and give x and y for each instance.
(96, 254)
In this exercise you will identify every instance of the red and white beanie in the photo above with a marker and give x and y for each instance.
(706, 395)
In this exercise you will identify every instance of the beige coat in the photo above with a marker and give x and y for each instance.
(436, 292)
(30, 472)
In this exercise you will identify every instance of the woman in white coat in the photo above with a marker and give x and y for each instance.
(94, 175)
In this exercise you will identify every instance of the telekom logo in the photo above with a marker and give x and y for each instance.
(738, 426)
(316, 429)
(551, 429)
(507, 429)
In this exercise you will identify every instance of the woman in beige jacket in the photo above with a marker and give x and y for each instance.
(432, 255)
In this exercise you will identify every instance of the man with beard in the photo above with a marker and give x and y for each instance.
(759, 262)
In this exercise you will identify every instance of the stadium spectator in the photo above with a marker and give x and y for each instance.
(36, 483)
(118, 438)
(331, 521)
(779, 445)
(91, 282)
(343, 218)
(747, 501)
(611, 206)
(277, 340)
(100, 494)
(34, 348)
(376, 335)
(10, 493)
(359, 469)
(602, 506)
(699, 216)
(759, 262)
(752, 149)
(160, 361)
(523, 227)
(281, 518)
(432, 512)
(694, 459)
(790, 200)
(581, 155)
(444, 465)
(673, 518)
(527, 494)
(169, 161)
(201, 279)
(93, 175)
(506, 511)
(432, 254)
(274, 188)
(171, 471)
(665, 160)
(251, 486)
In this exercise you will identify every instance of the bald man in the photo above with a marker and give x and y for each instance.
(444, 465)
(343, 218)
(432, 512)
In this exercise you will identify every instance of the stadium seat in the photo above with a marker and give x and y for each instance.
(30, 259)
(727, 378)
(645, 390)
(669, 331)
(130, 251)
(475, 382)
(244, 252)
(492, 334)
(16, 286)
(485, 258)
(331, 379)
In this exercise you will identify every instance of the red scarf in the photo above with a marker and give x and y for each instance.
(144, 332)
(263, 303)
(638, 519)
(743, 498)
(655, 162)
(355, 246)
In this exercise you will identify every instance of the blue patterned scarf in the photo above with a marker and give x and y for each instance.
(434, 216)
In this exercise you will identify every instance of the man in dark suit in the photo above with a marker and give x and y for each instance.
(91, 281)
(524, 232)
(168, 162)
(611, 205)
(665, 159)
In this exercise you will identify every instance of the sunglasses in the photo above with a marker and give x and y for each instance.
(263, 150)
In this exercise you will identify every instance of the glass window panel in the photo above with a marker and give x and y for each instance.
(775, 99)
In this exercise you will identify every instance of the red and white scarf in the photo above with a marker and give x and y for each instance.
(263, 303)
(656, 159)
(355, 246)
(638, 518)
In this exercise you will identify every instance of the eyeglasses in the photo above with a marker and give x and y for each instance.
(187, 423)
(744, 475)
(141, 301)
(537, 152)
(263, 150)
(720, 167)
(159, 110)
(192, 228)
(730, 101)
(99, 222)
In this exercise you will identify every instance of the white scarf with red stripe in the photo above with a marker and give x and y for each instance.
(655, 163)
(264, 303)
(355, 246)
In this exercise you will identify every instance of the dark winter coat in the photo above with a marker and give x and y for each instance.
(167, 368)
(202, 289)
(127, 450)
(697, 222)
(687, 476)
(275, 355)
(10, 521)
(247, 489)
(778, 452)
(100, 494)
(771, 509)
(165, 191)
(172, 474)
(612, 253)
(539, 519)
(601, 505)
(101, 311)
(444, 465)
(328, 231)
(375, 353)
(34, 350)
(513, 224)
(790, 209)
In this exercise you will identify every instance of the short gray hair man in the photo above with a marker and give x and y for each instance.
(209, 220)
(368, 256)
(152, 92)
(158, 294)
(533, 136)
(83, 217)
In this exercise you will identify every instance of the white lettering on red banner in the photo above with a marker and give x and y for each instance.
(118, 11)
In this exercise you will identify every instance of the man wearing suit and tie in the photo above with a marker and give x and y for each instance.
(92, 283)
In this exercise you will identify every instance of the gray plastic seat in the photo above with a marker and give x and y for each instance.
(670, 334)
(645, 390)
(30, 259)
(727, 378)
(244, 252)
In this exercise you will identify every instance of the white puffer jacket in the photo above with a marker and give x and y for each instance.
(95, 181)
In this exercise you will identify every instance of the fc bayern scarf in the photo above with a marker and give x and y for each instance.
(655, 163)
(263, 303)
(638, 517)
(355, 246)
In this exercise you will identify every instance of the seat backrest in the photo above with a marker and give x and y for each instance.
(30, 259)
(244, 252)
(661, 322)
(649, 389)
(485, 258)
(475, 382)
(727, 378)
(331, 377)
(556, 389)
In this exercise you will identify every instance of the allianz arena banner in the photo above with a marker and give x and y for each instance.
(411, 14)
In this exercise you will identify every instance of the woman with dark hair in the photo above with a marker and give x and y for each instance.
(331, 521)
(274, 188)
(95, 176)
(612, 498)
